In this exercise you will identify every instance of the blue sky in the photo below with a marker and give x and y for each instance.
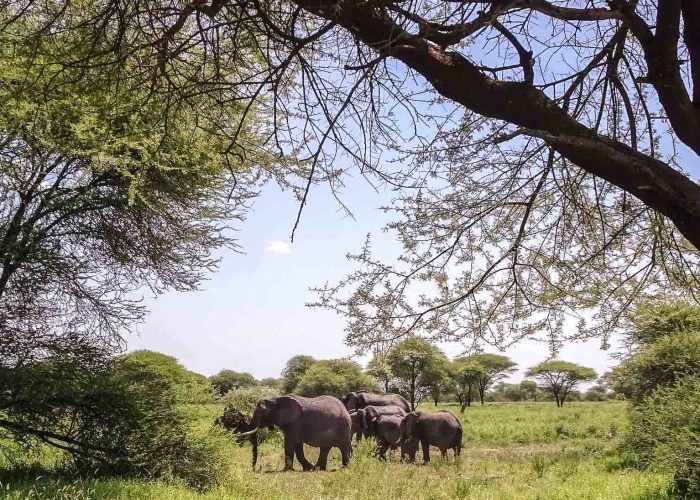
(251, 315)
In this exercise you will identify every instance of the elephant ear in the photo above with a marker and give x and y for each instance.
(288, 409)
(360, 400)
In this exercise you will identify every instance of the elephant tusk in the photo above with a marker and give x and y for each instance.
(248, 433)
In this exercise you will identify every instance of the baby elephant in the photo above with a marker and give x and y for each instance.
(439, 428)
(388, 432)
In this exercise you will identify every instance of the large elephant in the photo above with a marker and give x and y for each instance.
(388, 432)
(357, 400)
(372, 414)
(322, 422)
(438, 428)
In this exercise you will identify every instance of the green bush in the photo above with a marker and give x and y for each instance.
(244, 399)
(663, 363)
(665, 432)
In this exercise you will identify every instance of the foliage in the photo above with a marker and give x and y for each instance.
(190, 387)
(503, 442)
(662, 363)
(380, 369)
(492, 368)
(336, 377)
(653, 320)
(245, 399)
(275, 383)
(560, 377)
(664, 430)
(417, 365)
(294, 370)
(227, 380)
(529, 390)
(466, 375)
(598, 392)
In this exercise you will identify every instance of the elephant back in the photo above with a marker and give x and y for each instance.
(390, 399)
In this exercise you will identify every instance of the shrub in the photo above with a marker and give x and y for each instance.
(665, 432)
(663, 363)
(335, 377)
(244, 399)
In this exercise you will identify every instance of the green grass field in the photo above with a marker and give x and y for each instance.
(511, 451)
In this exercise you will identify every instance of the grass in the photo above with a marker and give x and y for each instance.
(511, 451)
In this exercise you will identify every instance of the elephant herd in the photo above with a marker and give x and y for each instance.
(326, 422)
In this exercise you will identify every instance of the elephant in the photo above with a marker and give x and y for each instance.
(357, 400)
(372, 413)
(322, 422)
(439, 428)
(388, 432)
(357, 423)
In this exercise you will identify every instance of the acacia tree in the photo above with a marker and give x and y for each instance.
(494, 367)
(466, 375)
(417, 364)
(560, 377)
(543, 142)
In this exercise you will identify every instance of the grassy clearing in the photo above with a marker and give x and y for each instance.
(512, 451)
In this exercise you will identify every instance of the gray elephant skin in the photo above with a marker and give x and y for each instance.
(437, 428)
(372, 414)
(357, 423)
(322, 422)
(388, 433)
(357, 400)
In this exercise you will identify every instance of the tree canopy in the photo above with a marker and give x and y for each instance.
(294, 370)
(560, 377)
(417, 365)
(537, 139)
(336, 377)
(227, 380)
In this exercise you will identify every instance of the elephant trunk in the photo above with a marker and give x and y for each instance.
(254, 440)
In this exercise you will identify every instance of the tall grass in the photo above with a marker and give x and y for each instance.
(512, 451)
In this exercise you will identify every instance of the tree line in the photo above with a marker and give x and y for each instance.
(420, 371)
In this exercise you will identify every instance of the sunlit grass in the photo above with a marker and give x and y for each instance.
(512, 451)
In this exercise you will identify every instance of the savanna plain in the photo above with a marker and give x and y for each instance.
(511, 451)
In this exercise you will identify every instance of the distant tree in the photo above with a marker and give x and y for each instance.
(529, 390)
(275, 383)
(417, 364)
(494, 368)
(379, 368)
(560, 377)
(465, 374)
(294, 370)
(335, 377)
(227, 380)
(598, 392)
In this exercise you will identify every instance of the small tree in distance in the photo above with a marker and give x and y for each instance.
(417, 364)
(560, 377)
(227, 380)
(379, 368)
(335, 377)
(466, 375)
(494, 367)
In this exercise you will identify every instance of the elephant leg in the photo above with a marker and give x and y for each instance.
(322, 459)
(346, 453)
(425, 445)
(288, 453)
(443, 453)
(299, 452)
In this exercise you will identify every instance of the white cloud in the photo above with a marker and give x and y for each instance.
(280, 247)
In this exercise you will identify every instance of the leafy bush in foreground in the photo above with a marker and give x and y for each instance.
(665, 431)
